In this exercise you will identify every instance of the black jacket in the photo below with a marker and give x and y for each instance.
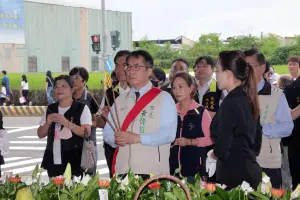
(292, 93)
(237, 138)
(192, 158)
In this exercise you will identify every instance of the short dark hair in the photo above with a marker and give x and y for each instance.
(67, 78)
(295, 59)
(181, 60)
(83, 73)
(159, 74)
(144, 54)
(120, 54)
(208, 59)
(284, 80)
(113, 74)
(251, 52)
(261, 58)
(4, 72)
(268, 67)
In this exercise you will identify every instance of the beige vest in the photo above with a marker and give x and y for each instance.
(270, 153)
(142, 159)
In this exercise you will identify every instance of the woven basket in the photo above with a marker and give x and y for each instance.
(168, 177)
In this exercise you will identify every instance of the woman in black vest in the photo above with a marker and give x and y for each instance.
(235, 128)
(188, 151)
(64, 125)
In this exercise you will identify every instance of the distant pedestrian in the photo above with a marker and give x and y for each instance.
(24, 90)
(5, 90)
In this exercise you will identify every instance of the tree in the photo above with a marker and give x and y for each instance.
(269, 44)
(243, 43)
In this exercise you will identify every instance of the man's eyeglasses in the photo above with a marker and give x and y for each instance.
(133, 67)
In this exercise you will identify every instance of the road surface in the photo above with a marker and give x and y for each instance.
(27, 150)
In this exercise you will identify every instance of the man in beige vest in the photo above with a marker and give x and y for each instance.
(275, 118)
(144, 147)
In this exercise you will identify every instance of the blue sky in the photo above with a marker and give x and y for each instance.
(161, 19)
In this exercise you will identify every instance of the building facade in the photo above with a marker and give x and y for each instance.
(58, 37)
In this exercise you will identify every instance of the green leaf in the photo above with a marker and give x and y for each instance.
(169, 196)
(261, 196)
(177, 171)
(222, 193)
(63, 197)
(213, 197)
(80, 188)
(35, 171)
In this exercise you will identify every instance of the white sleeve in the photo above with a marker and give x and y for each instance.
(43, 120)
(22, 83)
(86, 117)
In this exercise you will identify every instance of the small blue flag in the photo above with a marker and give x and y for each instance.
(108, 66)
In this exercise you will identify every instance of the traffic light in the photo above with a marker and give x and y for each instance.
(115, 39)
(96, 43)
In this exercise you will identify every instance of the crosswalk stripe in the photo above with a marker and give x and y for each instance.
(23, 169)
(14, 158)
(27, 148)
(103, 171)
(25, 162)
(36, 137)
(28, 142)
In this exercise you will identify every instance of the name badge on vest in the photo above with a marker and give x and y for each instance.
(145, 115)
(264, 112)
(211, 101)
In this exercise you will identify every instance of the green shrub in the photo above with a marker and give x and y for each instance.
(38, 97)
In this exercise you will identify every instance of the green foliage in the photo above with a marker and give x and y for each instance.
(211, 44)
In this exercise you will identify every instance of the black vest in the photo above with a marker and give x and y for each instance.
(109, 94)
(71, 149)
(190, 156)
(211, 99)
(292, 92)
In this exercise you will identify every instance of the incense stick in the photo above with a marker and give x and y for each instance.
(116, 109)
(108, 103)
(108, 121)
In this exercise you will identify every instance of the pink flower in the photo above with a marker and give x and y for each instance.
(264, 188)
(202, 184)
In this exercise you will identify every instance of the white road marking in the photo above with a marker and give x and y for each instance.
(29, 137)
(25, 162)
(22, 129)
(103, 171)
(36, 137)
(27, 148)
(101, 162)
(22, 170)
(14, 158)
(28, 142)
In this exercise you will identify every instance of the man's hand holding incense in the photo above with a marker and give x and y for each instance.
(123, 138)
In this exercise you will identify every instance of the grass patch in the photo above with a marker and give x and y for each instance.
(38, 80)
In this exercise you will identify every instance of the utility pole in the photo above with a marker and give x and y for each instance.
(104, 39)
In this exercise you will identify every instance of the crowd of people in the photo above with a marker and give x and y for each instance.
(229, 128)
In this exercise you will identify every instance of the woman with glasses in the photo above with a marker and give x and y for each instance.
(64, 124)
(80, 77)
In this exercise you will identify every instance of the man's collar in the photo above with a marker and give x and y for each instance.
(264, 88)
(144, 89)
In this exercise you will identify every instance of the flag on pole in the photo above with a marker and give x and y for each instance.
(107, 80)
(107, 71)
(108, 66)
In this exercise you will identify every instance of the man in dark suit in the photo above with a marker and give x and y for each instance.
(120, 89)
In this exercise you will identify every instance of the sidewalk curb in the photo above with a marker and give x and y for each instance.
(23, 111)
